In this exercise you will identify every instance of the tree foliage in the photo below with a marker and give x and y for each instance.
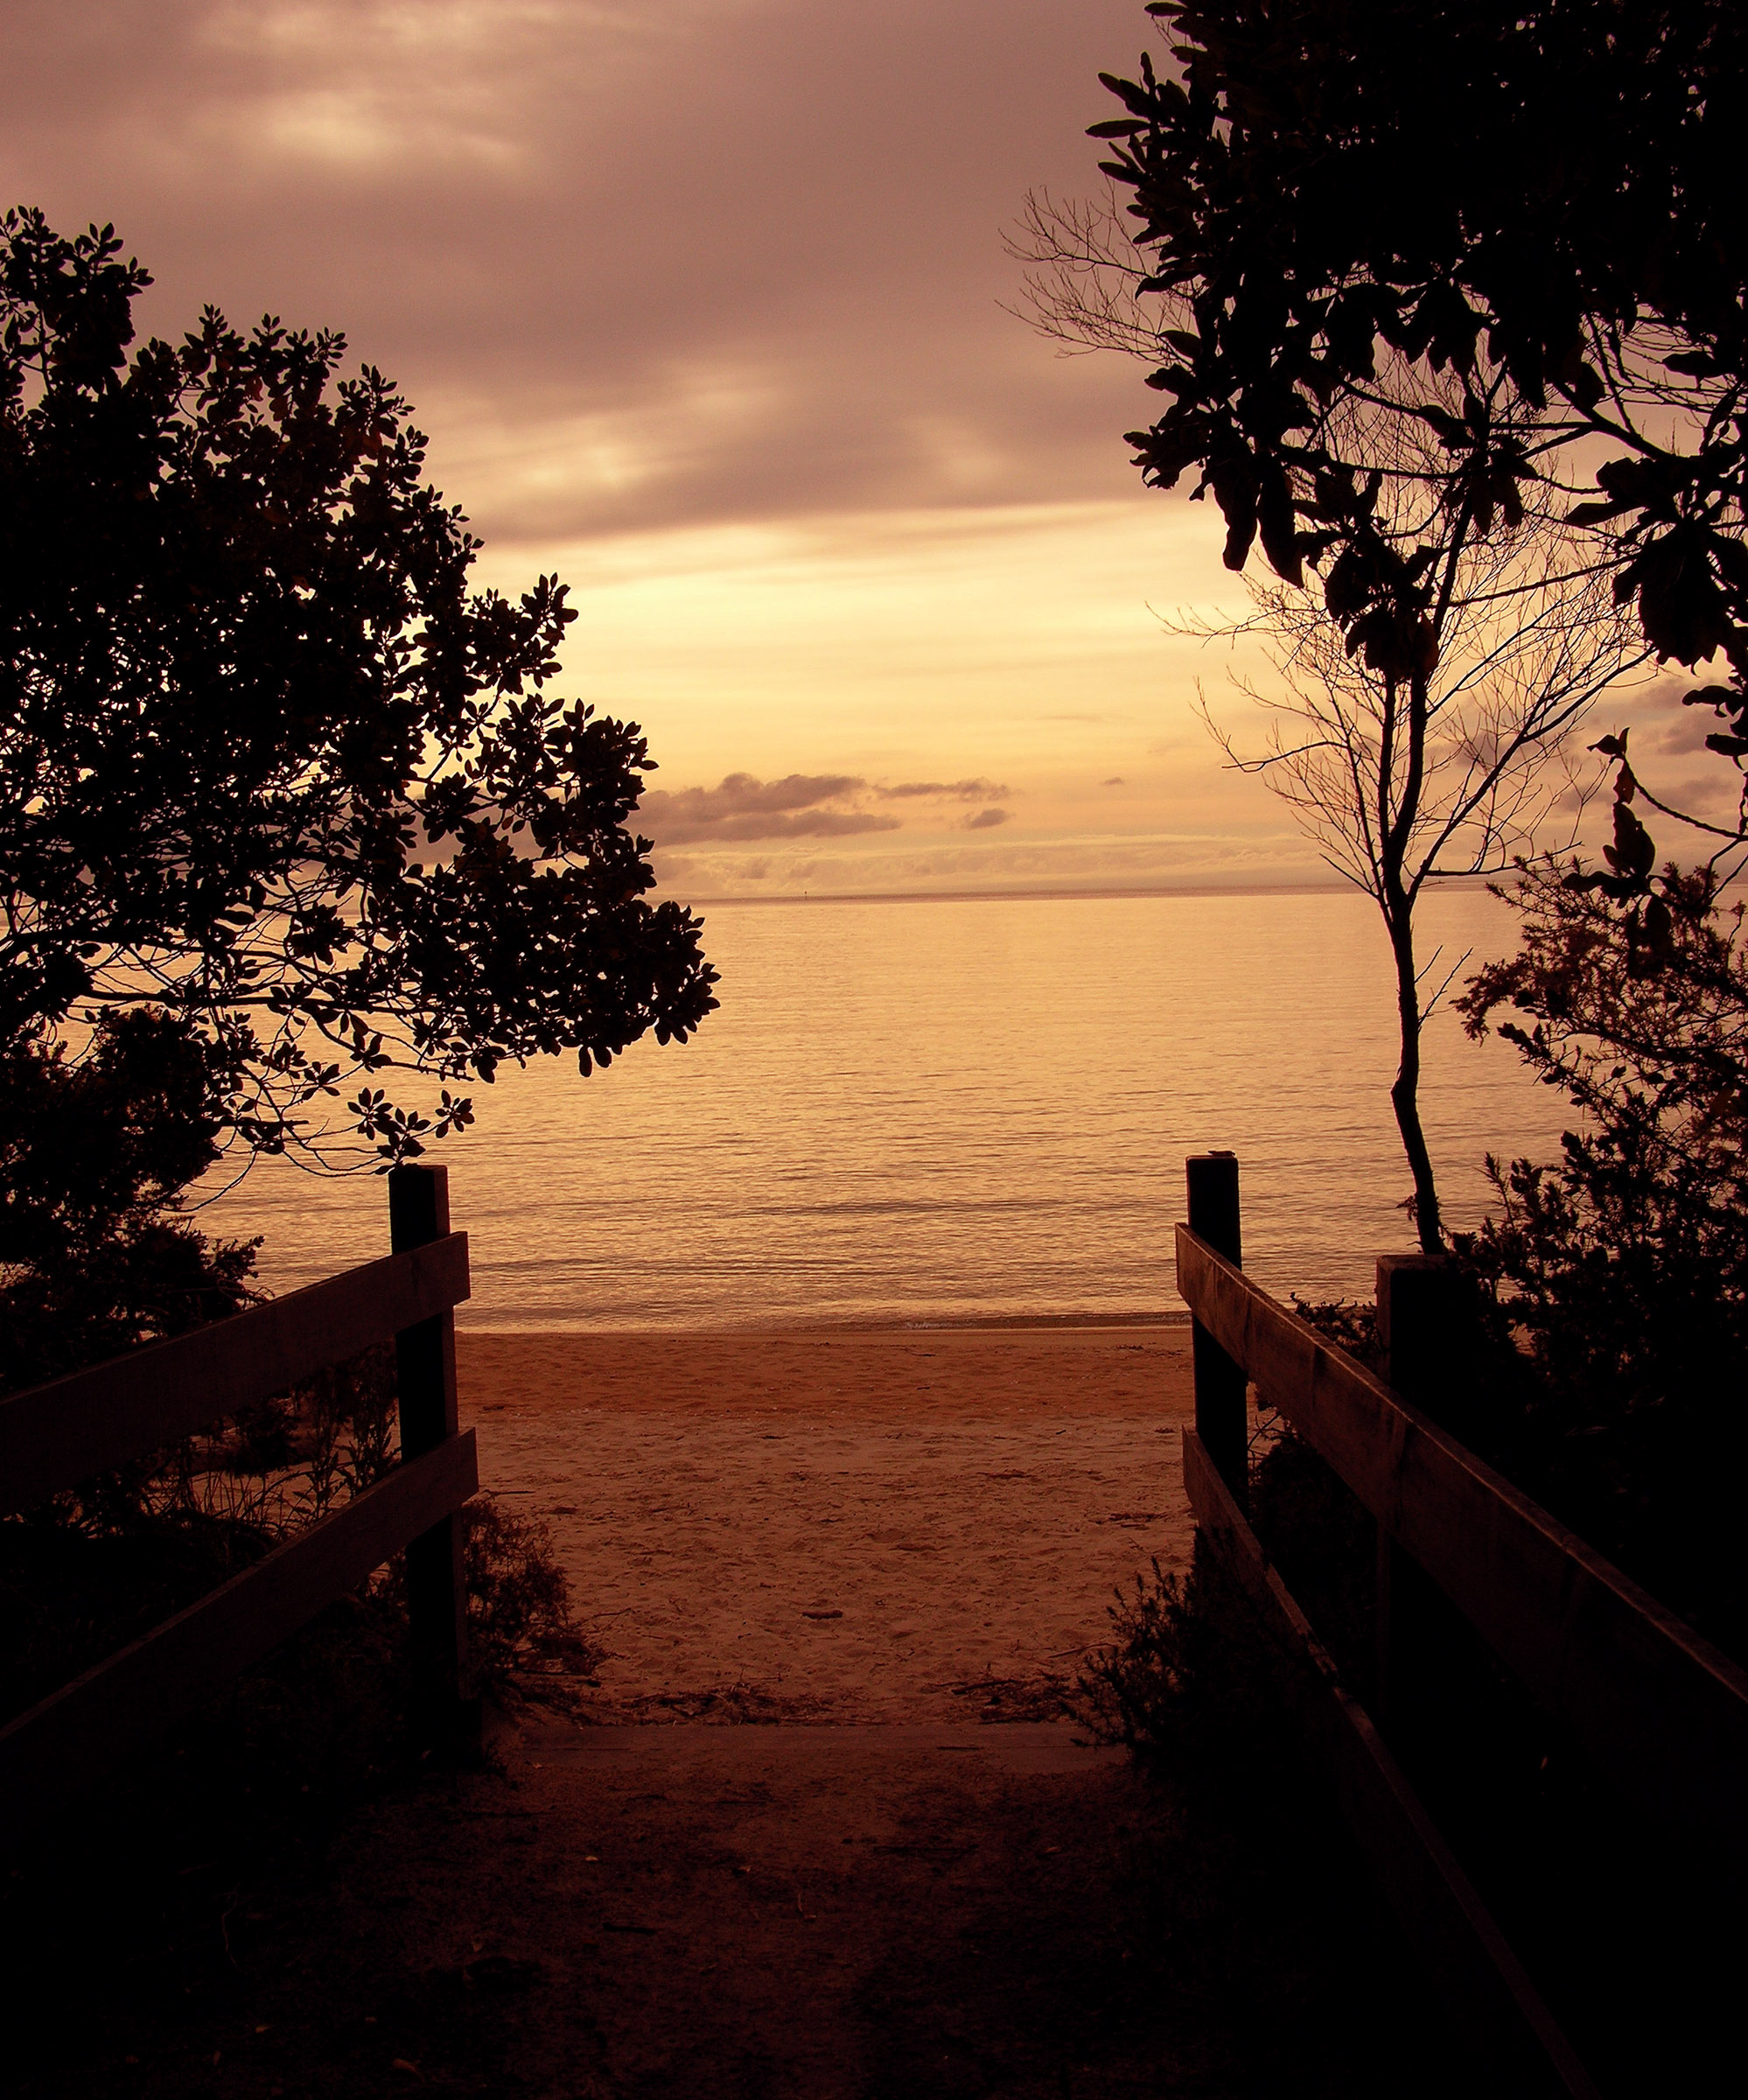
(1409, 277)
(94, 1156)
(1329, 196)
(270, 766)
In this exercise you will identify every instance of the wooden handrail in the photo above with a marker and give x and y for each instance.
(1651, 1703)
(54, 1436)
(89, 1728)
(1469, 1963)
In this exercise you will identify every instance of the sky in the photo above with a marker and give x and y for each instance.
(706, 308)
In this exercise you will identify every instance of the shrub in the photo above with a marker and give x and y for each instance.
(519, 1618)
(1614, 1281)
(96, 1253)
(1184, 1678)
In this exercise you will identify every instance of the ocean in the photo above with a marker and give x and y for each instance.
(958, 1110)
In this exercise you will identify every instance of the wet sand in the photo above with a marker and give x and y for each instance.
(839, 1524)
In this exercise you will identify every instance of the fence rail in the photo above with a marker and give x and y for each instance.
(56, 1435)
(81, 1732)
(60, 1435)
(1653, 1706)
(1480, 1980)
(1655, 1709)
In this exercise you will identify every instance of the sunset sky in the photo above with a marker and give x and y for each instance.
(702, 306)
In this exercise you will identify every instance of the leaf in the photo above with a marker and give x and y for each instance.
(1275, 518)
(1595, 513)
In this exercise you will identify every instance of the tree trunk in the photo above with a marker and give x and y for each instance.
(1405, 1094)
(1397, 896)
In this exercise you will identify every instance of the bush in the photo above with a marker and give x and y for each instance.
(1185, 1677)
(1184, 1674)
(96, 1254)
(1324, 1542)
(1614, 1281)
(519, 1619)
(91, 1571)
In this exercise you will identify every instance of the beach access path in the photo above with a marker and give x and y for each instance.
(819, 1827)
(809, 1835)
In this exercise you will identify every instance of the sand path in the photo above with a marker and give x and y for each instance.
(914, 1534)
(840, 1525)
(692, 1912)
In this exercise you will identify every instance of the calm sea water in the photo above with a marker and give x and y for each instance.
(931, 1110)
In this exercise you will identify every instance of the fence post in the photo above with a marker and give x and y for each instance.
(1419, 1325)
(1222, 1421)
(424, 1363)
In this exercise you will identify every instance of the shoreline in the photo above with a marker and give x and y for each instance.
(512, 1326)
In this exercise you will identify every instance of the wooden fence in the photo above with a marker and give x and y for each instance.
(1655, 1709)
(60, 1435)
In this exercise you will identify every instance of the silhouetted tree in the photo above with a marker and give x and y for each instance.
(1454, 773)
(1510, 236)
(1548, 192)
(267, 767)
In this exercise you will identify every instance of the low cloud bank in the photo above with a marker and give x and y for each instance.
(954, 791)
(801, 805)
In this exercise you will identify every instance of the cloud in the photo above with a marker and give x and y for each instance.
(1115, 780)
(790, 308)
(958, 791)
(808, 824)
(801, 805)
(751, 388)
(741, 794)
(1665, 738)
(797, 806)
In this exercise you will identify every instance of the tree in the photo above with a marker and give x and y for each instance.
(1514, 229)
(1546, 192)
(272, 769)
(1405, 782)
(1419, 744)
(1551, 185)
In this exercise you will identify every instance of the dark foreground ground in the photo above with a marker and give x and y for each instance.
(749, 1911)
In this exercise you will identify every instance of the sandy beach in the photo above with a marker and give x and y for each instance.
(839, 1524)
